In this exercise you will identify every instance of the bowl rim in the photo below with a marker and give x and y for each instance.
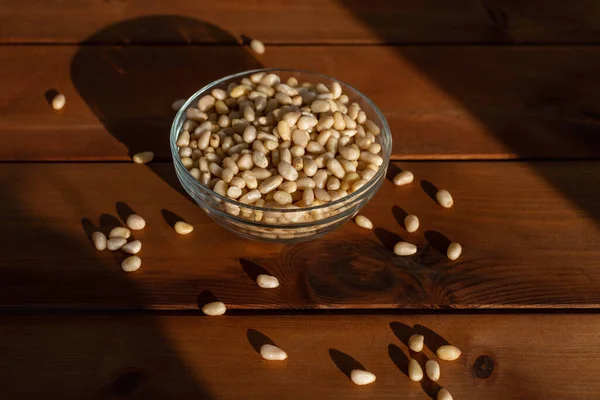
(351, 197)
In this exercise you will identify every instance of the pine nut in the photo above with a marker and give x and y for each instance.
(454, 251)
(287, 171)
(99, 240)
(58, 102)
(415, 372)
(119, 232)
(448, 353)
(361, 377)
(322, 195)
(444, 394)
(132, 247)
(267, 281)
(143, 158)
(372, 127)
(131, 264)
(270, 184)
(308, 197)
(363, 222)
(272, 353)
(405, 249)
(250, 197)
(432, 369)
(135, 222)
(214, 308)
(415, 342)
(444, 198)
(336, 168)
(300, 137)
(282, 197)
(403, 178)
(411, 223)
(333, 183)
(183, 228)
(234, 192)
(115, 243)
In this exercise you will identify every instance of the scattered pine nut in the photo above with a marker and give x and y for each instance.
(415, 372)
(177, 104)
(444, 394)
(411, 223)
(58, 102)
(119, 232)
(361, 377)
(267, 281)
(116, 243)
(363, 222)
(257, 46)
(454, 251)
(99, 240)
(403, 178)
(448, 353)
(415, 342)
(136, 222)
(214, 308)
(272, 353)
(405, 249)
(131, 264)
(444, 198)
(432, 369)
(183, 228)
(132, 247)
(143, 158)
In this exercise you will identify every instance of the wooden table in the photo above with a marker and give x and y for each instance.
(496, 101)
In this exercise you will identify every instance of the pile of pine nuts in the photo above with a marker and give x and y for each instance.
(432, 367)
(270, 144)
(117, 240)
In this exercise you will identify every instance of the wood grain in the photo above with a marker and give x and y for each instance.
(441, 102)
(314, 21)
(527, 243)
(517, 357)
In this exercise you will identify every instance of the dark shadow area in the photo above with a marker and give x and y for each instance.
(399, 358)
(432, 340)
(130, 88)
(399, 215)
(125, 385)
(344, 362)
(124, 211)
(392, 171)
(538, 102)
(258, 339)
(438, 241)
(402, 331)
(205, 297)
(50, 94)
(252, 269)
(430, 189)
(387, 238)
(171, 218)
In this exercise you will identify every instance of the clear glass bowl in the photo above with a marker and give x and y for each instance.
(293, 225)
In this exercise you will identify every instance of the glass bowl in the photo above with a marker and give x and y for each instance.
(282, 224)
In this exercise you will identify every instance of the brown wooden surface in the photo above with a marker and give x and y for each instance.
(441, 102)
(183, 357)
(320, 21)
(527, 243)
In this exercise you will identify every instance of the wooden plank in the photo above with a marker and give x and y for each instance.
(315, 21)
(517, 357)
(441, 102)
(529, 233)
